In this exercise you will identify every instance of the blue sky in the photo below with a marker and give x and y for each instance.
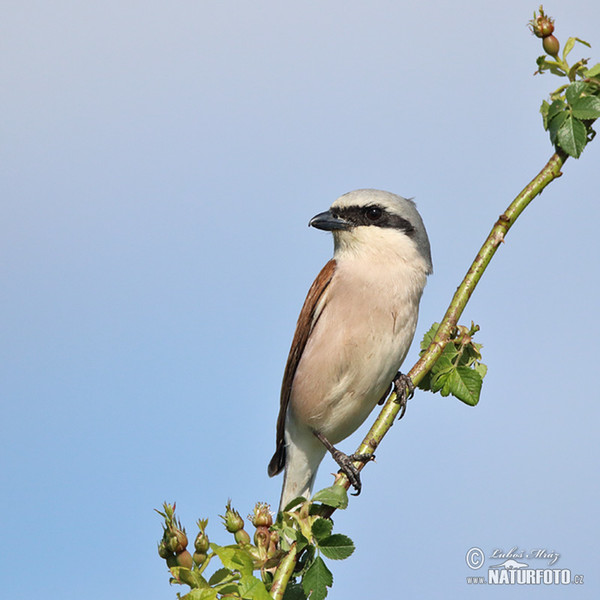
(160, 162)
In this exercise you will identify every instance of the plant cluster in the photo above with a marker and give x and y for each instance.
(288, 554)
(574, 106)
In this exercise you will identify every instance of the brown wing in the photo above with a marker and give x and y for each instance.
(306, 322)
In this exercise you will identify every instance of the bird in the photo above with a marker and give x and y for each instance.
(353, 333)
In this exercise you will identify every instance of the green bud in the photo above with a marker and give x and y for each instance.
(200, 558)
(262, 537)
(242, 537)
(163, 551)
(184, 559)
(262, 516)
(551, 45)
(176, 540)
(232, 519)
(542, 25)
(201, 544)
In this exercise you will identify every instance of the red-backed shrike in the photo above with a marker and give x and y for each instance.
(353, 332)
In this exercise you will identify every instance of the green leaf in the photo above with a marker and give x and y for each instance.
(465, 384)
(205, 594)
(570, 43)
(189, 577)
(228, 588)
(574, 91)
(481, 369)
(321, 528)
(253, 588)
(572, 136)
(429, 335)
(555, 123)
(294, 591)
(317, 579)
(234, 558)
(544, 108)
(568, 47)
(293, 503)
(587, 107)
(439, 381)
(335, 496)
(555, 108)
(218, 576)
(593, 71)
(336, 546)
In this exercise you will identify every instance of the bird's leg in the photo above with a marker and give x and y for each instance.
(405, 390)
(387, 393)
(345, 461)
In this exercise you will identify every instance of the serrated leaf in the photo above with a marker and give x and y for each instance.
(481, 369)
(218, 576)
(572, 136)
(253, 588)
(293, 503)
(335, 496)
(234, 558)
(294, 591)
(574, 91)
(587, 107)
(317, 579)
(428, 337)
(205, 594)
(439, 381)
(321, 528)
(593, 71)
(336, 546)
(555, 108)
(465, 384)
(555, 123)
(189, 577)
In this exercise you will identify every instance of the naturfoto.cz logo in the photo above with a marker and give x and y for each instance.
(514, 568)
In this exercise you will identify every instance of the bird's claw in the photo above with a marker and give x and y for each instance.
(405, 390)
(346, 462)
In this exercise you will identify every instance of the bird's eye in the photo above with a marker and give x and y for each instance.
(373, 213)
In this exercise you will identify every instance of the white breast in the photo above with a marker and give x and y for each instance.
(360, 338)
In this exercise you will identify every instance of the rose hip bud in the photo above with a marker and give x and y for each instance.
(262, 516)
(184, 559)
(201, 544)
(232, 519)
(262, 538)
(242, 537)
(543, 25)
(176, 540)
(200, 558)
(551, 45)
(163, 551)
(273, 543)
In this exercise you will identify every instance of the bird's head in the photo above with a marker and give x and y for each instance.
(376, 221)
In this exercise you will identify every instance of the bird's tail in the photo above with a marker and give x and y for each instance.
(301, 467)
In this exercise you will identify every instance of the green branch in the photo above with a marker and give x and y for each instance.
(449, 323)
(284, 572)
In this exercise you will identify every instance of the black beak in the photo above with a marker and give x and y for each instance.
(328, 222)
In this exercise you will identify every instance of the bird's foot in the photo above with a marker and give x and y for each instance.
(405, 390)
(346, 462)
